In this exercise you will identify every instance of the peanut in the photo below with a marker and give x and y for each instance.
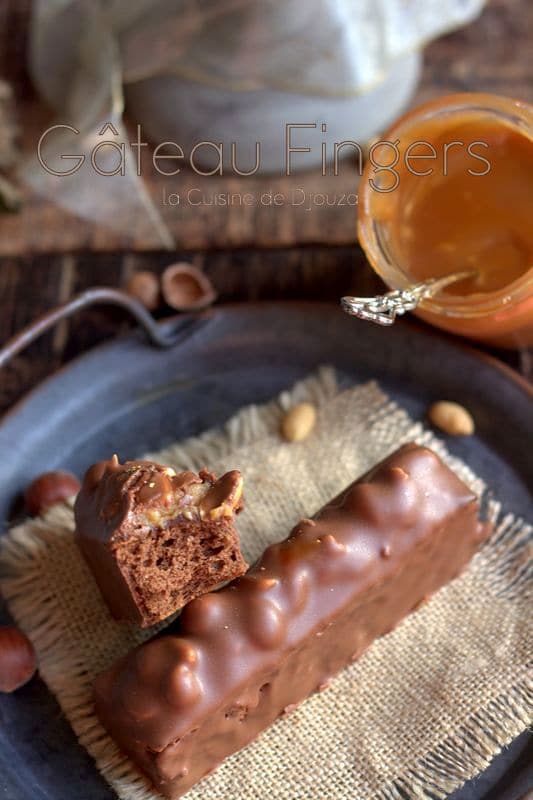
(298, 422)
(451, 418)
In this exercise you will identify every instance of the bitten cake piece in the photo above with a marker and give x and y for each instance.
(156, 539)
(237, 658)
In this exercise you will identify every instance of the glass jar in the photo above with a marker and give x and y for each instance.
(435, 200)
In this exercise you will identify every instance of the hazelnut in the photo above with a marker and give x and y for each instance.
(186, 288)
(144, 287)
(17, 659)
(49, 489)
(451, 418)
(298, 422)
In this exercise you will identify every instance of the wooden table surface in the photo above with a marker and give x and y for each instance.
(492, 54)
(46, 255)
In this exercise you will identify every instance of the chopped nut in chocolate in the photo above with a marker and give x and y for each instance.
(156, 539)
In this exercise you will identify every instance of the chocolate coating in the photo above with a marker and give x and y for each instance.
(155, 539)
(239, 658)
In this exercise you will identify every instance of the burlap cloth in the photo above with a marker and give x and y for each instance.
(424, 710)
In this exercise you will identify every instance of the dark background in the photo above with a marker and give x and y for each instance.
(46, 255)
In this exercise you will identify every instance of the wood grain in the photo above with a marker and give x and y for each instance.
(49, 255)
(31, 286)
(492, 54)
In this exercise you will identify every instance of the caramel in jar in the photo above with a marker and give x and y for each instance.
(459, 197)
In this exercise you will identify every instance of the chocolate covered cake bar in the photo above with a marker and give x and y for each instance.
(237, 658)
(156, 539)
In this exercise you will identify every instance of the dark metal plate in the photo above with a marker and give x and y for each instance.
(126, 397)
